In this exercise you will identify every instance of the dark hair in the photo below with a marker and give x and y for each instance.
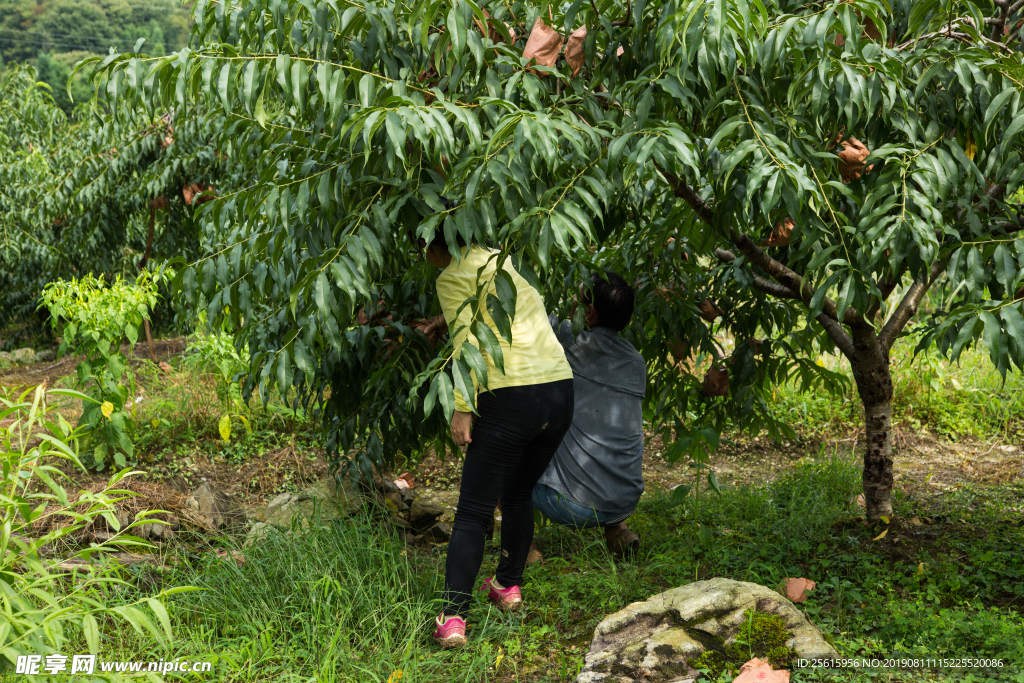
(613, 300)
(438, 242)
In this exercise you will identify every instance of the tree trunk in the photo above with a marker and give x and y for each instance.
(877, 475)
(870, 365)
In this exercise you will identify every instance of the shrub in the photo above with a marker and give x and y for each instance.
(95, 318)
(38, 614)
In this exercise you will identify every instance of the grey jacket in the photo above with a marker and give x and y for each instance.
(599, 464)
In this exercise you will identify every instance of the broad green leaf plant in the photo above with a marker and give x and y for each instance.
(43, 607)
(93, 318)
(678, 162)
(213, 353)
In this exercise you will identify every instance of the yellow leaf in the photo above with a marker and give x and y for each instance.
(155, 423)
(920, 568)
(972, 149)
(880, 536)
(107, 409)
(225, 427)
(884, 519)
(395, 676)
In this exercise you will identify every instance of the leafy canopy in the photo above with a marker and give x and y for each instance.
(668, 163)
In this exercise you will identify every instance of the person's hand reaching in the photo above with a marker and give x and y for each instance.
(462, 424)
(435, 329)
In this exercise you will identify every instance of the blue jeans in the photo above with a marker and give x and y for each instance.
(561, 510)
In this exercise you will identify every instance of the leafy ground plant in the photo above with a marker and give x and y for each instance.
(95, 318)
(213, 354)
(44, 610)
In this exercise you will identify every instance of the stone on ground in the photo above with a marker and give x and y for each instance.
(653, 641)
(215, 506)
(326, 498)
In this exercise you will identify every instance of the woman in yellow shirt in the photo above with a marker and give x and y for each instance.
(521, 418)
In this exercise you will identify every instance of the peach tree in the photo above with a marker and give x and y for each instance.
(802, 174)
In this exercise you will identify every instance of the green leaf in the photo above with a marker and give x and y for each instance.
(248, 83)
(323, 296)
(489, 343)
(116, 366)
(161, 614)
(1005, 268)
(446, 395)
(713, 483)
(996, 105)
(464, 381)
(471, 354)
(91, 631)
(500, 317)
(304, 360)
(680, 492)
(222, 86)
(367, 90)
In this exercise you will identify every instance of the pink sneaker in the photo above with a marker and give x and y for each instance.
(452, 633)
(505, 599)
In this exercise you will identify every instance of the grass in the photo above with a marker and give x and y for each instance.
(349, 603)
(954, 401)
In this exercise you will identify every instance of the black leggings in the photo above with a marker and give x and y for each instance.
(516, 434)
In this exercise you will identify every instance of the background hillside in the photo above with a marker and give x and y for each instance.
(54, 34)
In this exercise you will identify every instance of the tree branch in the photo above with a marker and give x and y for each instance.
(755, 254)
(908, 307)
(761, 283)
(842, 340)
(1000, 21)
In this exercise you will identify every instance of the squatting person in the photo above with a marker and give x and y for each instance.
(596, 476)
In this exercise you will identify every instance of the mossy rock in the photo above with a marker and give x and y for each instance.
(714, 625)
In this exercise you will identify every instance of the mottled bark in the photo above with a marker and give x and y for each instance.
(870, 365)
(877, 476)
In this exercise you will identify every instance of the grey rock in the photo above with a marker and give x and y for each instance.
(25, 355)
(422, 514)
(326, 499)
(218, 509)
(439, 533)
(156, 532)
(259, 532)
(407, 495)
(45, 355)
(651, 641)
(395, 503)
